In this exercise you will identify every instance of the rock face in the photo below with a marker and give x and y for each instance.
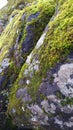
(36, 64)
(64, 79)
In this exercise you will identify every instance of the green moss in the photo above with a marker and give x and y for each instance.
(11, 6)
(67, 101)
(59, 95)
(57, 43)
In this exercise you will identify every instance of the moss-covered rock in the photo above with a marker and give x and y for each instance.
(41, 103)
(20, 36)
(39, 72)
(6, 11)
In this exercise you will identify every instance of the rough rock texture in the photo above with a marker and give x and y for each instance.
(36, 64)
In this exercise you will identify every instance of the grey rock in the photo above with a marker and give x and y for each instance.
(2, 80)
(47, 89)
(62, 84)
(27, 98)
(22, 92)
(5, 63)
(29, 40)
(48, 108)
(64, 79)
(33, 16)
(69, 124)
(67, 109)
(35, 109)
(38, 114)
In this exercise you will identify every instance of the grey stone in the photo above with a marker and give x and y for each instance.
(49, 108)
(64, 80)
(21, 92)
(35, 109)
(28, 43)
(26, 98)
(2, 80)
(69, 124)
(5, 63)
(33, 16)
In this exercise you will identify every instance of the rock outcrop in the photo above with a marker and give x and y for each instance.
(36, 64)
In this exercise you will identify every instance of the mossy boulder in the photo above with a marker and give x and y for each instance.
(36, 63)
(39, 95)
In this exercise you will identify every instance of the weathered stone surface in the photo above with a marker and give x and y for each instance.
(64, 79)
(29, 40)
(2, 80)
(23, 93)
(33, 16)
(5, 63)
